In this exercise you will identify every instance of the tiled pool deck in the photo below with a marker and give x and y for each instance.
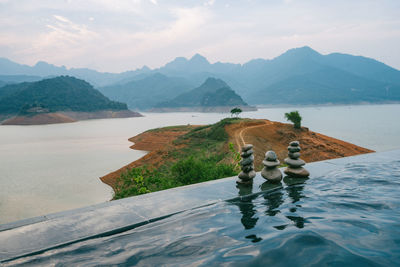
(31, 236)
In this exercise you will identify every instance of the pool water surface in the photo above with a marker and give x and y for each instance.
(349, 216)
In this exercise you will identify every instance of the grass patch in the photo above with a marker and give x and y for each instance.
(204, 155)
(177, 128)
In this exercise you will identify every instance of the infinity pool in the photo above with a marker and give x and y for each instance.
(348, 216)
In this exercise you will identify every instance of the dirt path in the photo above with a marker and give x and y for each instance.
(266, 135)
(239, 140)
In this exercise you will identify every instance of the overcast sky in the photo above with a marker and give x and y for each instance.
(120, 35)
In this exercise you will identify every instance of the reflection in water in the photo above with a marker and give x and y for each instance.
(295, 192)
(246, 207)
(254, 238)
(245, 189)
(273, 199)
(295, 187)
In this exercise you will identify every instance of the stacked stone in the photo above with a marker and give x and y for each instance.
(294, 162)
(270, 170)
(247, 165)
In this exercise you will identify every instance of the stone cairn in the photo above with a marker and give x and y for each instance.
(270, 170)
(294, 162)
(247, 165)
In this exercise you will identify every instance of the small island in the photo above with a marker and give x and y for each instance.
(182, 155)
(214, 95)
(57, 100)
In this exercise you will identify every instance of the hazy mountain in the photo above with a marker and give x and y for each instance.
(302, 66)
(365, 67)
(10, 79)
(146, 93)
(56, 94)
(197, 64)
(327, 85)
(265, 77)
(212, 93)
(43, 69)
(304, 76)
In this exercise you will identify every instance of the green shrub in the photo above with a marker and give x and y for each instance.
(294, 117)
(195, 170)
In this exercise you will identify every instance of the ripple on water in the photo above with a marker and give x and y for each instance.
(348, 217)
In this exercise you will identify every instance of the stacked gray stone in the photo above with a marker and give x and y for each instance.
(247, 165)
(270, 170)
(294, 162)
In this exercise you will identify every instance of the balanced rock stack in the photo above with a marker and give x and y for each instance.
(294, 162)
(247, 164)
(270, 170)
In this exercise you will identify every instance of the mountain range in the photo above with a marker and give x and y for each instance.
(299, 76)
(147, 92)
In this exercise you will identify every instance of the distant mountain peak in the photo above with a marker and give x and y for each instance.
(145, 68)
(212, 93)
(179, 60)
(42, 63)
(197, 58)
(4, 59)
(177, 63)
(211, 81)
(304, 51)
(50, 68)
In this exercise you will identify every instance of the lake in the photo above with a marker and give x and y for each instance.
(50, 168)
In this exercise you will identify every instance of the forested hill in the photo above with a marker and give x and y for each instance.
(63, 93)
(212, 93)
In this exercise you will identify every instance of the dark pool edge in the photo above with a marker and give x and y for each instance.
(130, 227)
(139, 210)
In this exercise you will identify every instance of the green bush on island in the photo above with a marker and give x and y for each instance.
(294, 117)
(236, 112)
(205, 156)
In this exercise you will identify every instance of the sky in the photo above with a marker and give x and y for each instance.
(120, 35)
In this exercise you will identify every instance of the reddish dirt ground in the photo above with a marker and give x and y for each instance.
(267, 135)
(263, 134)
(158, 143)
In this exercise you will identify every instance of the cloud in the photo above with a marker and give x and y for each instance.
(123, 34)
(62, 41)
(64, 31)
(209, 3)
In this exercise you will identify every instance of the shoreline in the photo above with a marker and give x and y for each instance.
(327, 105)
(66, 117)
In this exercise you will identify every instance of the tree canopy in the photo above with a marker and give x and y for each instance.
(236, 112)
(294, 117)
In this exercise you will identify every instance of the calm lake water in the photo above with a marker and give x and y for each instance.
(45, 169)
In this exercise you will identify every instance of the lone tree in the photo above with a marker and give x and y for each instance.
(294, 117)
(236, 112)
